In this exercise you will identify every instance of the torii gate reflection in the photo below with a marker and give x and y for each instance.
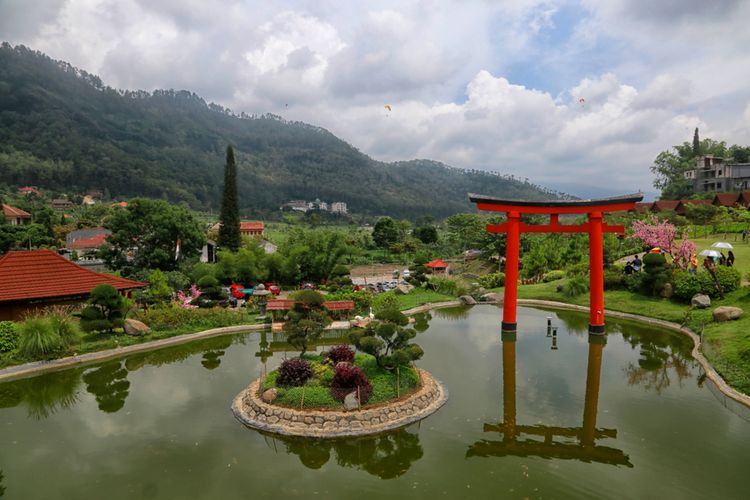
(586, 449)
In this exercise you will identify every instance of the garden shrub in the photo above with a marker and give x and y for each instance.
(106, 310)
(553, 276)
(492, 280)
(8, 336)
(348, 379)
(294, 372)
(211, 292)
(580, 269)
(171, 317)
(64, 325)
(657, 273)
(576, 286)
(729, 278)
(388, 340)
(38, 339)
(384, 301)
(614, 279)
(685, 285)
(341, 353)
(634, 282)
(448, 286)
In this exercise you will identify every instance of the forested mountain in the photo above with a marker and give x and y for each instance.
(63, 129)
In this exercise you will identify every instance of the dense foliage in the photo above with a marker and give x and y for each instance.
(341, 353)
(8, 336)
(307, 320)
(350, 378)
(294, 372)
(686, 284)
(229, 217)
(388, 340)
(106, 310)
(62, 128)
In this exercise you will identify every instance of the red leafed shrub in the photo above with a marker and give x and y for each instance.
(294, 372)
(341, 353)
(347, 379)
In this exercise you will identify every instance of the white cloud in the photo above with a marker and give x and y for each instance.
(472, 83)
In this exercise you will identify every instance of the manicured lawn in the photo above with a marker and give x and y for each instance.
(741, 250)
(420, 297)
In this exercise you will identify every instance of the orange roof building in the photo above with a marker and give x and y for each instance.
(33, 279)
(15, 216)
(437, 265)
(252, 228)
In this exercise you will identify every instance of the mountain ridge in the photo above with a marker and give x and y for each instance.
(63, 128)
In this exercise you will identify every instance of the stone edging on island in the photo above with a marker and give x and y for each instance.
(252, 411)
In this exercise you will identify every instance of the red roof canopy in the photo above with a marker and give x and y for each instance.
(15, 212)
(436, 264)
(339, 305)
(93, 242)
(280, 304)
(39, 274)
(252, 226)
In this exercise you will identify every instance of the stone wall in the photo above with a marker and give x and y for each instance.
(251, 410)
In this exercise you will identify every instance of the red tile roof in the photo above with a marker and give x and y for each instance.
(247, 227)
(339, 305)
(40, 274)
(680, 208)
(726, 199)
(9, 211)
(642, 207)
(93, 242)
(744, 198)
(665, 205)
(436, 264)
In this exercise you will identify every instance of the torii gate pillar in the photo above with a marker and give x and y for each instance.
(595, 227)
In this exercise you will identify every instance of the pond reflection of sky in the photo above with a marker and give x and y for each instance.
(158, 424)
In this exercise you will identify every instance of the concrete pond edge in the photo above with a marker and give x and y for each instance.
(250, 409)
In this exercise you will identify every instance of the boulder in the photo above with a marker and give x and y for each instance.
(404, 289)
(269, 395)
(701, 301)
(727, 313)
(491, 297)
(351, 402)
(667, 291)
(467, 300)
(135, 328)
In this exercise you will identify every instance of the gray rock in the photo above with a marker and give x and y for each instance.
(351, 402)
(269, 396)
(667, 291)
(404, 289)
(727, 313)
(468, 300)
(701, 301)
(135, 328)
(491, 297)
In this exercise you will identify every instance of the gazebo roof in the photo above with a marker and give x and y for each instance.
(41, 274)
(436, 264)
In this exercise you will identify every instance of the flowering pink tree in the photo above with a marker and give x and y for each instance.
(663, 234)
(186, 300)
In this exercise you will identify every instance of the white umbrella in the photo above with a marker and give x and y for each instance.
(710, 253)
(722, 244)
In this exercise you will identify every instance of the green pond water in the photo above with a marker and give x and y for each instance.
(159, 425)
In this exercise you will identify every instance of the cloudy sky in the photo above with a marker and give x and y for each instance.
(576, 95)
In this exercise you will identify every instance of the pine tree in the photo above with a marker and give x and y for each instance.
(229, 232)
(696, 143)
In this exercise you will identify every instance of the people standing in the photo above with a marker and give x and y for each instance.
(636, 263)
(730, 259)
(693, 264)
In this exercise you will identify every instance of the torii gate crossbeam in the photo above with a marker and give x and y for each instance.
(595, 227)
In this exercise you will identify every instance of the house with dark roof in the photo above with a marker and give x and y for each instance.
(726, 199)
(15, 216)
(664, 205)
(34, 279)
(744, 199)
(61, 204)
(681, 208)
(643, 207)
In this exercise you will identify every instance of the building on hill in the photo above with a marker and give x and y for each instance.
(726, 199)
(717, 174)
(29, 191)
(339, 207)
(15, 216)
(681, 208)
(86, 233)
(664, 205)
(297, 205)
(62, 204)
(252, 228)
(33, 279)
(643, 207)
(437, 266)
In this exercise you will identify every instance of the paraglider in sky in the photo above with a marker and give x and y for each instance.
(388, 107)
(581, 101)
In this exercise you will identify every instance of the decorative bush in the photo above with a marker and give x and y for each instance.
(729, 278)
(576, 286)
(553, 276)
(384, 301)
(614, 279)
(106, 310)
(580, 269)
(294, 372)
(38, 339)
(492, 280)
(448, 286)
(634, 282)
(8, 336)
(348, 379)
(388, 340)
(685, 285)
(211, 292)
(657, 273)
(64, 325)
(341, 353)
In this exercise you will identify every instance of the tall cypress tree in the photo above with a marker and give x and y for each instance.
(229, 232)
(696, 143)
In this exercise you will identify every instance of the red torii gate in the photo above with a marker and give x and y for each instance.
(595, 227)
